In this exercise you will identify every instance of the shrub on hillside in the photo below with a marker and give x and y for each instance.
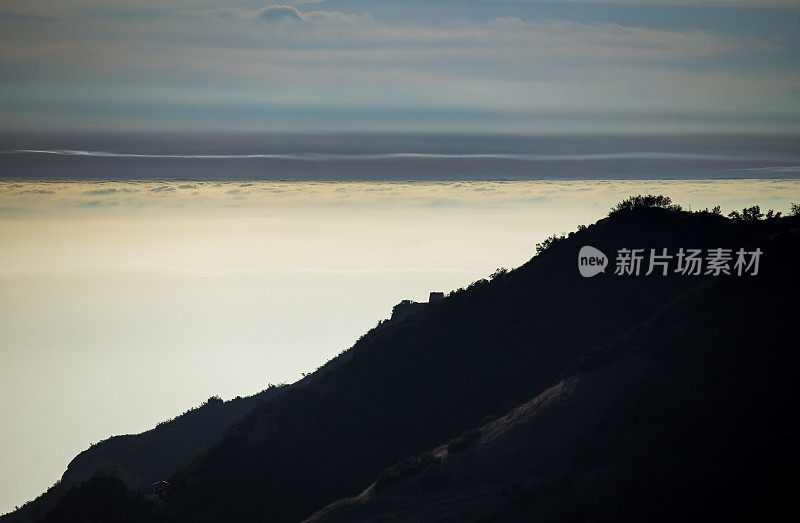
(639, 202)
(753, 214)
(548, 243)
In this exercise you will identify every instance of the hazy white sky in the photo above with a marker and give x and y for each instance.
(125, 303)
(477, 65)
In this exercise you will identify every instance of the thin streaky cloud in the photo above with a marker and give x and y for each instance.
(654, 155)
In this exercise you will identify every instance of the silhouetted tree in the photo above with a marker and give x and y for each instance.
(498, 273)
(213, 401)
(752, 213)
(638, 202)
(548, 243)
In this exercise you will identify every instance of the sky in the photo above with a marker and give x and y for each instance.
(418, 66)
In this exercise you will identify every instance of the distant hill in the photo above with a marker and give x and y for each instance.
(636, 410)
(141, 459)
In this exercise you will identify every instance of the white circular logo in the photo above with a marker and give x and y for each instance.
(591, 261)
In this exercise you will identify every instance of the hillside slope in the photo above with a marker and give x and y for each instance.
(689, 417)
(141, 459)
(411, 385)
(407, 386)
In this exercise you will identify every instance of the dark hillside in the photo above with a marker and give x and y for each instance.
(408, 386)
(688, 417)
(142, 459)
(411, 385)
(158, 453)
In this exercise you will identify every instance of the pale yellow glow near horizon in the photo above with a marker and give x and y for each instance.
(125, 303)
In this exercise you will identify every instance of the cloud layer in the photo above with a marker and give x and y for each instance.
(196, 63)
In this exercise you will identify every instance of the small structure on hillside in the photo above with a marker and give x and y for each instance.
(406, 307)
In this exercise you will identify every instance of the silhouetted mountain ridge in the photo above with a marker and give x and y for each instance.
(412, 385)
(686, 417)
(408, 386)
